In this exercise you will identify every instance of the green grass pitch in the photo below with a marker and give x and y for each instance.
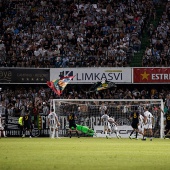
(84, 154)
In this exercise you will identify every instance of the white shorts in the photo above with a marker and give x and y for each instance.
(52, 126)
(148, 126)
(141, 128)
(106, 125)
(1, 128)
(112, 127)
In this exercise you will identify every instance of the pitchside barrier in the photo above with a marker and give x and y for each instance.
(40, 126)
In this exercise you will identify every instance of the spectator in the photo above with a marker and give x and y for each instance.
(160, 40)
(46, 27)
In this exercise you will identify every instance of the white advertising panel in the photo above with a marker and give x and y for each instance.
(91, 75)
(123, 131)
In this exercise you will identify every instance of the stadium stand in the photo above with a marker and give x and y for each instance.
(71, 33)
(157, 53)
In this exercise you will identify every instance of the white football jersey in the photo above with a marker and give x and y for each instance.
(148, 116)
(141, 119)
(105, 118)
(111, 121)
(112, 125)
(52, 118)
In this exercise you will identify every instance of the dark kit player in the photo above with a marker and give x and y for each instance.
(72, 124)
(135, 121)
(27, 123)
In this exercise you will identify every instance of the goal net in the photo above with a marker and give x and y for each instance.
(89, 112)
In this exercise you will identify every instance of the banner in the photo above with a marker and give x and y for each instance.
(151, 75)
(93, 74)
(41, 129)
(11, 75)
(124, 131)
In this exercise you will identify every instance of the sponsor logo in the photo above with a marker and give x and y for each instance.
(5, 75)
(99, 76)
(160, 76)
(156, 76)
(144, 75)
(66, 73)
(107, 75)
(123, 121)
(35, 132)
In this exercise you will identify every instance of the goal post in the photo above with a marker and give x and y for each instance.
(89, 112)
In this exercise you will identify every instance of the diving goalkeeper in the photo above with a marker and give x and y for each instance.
(85, 130)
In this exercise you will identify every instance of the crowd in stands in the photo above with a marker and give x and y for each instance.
(73, 33)
(37, 98)
(158, 53)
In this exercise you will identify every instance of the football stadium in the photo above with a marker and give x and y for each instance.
(84, 84)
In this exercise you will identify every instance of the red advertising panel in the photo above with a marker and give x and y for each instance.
(151, 75)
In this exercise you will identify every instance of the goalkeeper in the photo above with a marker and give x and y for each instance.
(85, 130)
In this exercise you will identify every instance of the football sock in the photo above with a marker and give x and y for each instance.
(4, 133)
(50, 132)
(53, 133)
(30, 133)
(166, 131)
(20, 132)
(131, 132)
(57, 134)
(151, 136)
(77, 133)
(117, 134)
(136, 134)
(0, 133)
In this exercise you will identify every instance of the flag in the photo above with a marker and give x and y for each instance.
(105, 85)
(59, 85)
(102, 86)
